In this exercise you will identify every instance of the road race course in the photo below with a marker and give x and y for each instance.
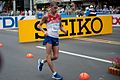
(87, 54)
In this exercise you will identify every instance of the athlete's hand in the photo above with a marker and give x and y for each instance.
(45, 33)
(65, 32)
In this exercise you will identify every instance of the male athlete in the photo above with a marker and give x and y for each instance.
(53, 24)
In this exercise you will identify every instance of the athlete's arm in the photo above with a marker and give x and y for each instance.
(43, 20)
(62, 29)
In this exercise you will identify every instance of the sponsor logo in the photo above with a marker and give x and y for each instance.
(81, 24)
(116, 20)
(10, 22)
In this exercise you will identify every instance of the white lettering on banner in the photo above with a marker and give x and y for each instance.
(116, 20)
(12, 21)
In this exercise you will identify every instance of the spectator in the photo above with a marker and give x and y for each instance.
(39, 14)
(92, 11)
(26, 12)
(105, 9)
(87, 11)
(17, 12)
(11, 13)
(30, 13)
(22, 13)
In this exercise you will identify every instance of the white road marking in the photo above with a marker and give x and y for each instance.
(79, 55)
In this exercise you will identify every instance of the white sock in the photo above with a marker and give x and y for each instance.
(42, 61)
(54, 73)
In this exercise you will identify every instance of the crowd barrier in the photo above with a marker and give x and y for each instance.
(63, 15)
(80, 26)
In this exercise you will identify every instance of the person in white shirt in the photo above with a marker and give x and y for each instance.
(26, 12)
(30, 13)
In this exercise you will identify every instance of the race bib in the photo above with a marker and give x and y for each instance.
(55, 27)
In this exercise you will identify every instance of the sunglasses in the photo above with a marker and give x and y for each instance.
(55, 7)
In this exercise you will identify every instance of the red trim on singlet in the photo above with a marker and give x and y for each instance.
(51, 17)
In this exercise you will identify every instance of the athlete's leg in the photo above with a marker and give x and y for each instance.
(48, 57)
(55, 49)
(53, 57)
(55, 52)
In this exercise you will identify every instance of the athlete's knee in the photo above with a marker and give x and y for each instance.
(55, 57)
(48, 58)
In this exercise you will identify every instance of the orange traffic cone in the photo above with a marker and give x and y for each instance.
(29, 55)
(1, 45)
(84, 76)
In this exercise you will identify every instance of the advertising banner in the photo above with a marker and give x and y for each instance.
(81, 26)
(116, 19)
(10, 22)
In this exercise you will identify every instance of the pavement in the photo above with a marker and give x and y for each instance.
(83, 54)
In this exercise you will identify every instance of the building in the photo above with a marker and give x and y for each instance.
(23, 4)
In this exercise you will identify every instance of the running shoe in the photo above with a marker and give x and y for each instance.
(57, 76)
(40, 64)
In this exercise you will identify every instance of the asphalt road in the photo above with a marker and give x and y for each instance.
(87, 54)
